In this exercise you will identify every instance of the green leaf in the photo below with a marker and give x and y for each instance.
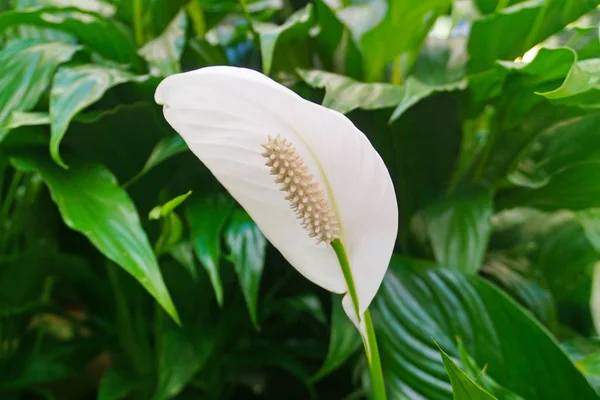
(344, 341)
(489, 6)
(408, 22)
(463, 387)
(415, 90)
(509, 33)
(415, 304)
(97, 6)
(581, 87)
(296, 26)
(74, 89)
(164, 52)
(91, 202)
(162, 211)
(247, 247)
(207, 218)
(459, 229)
(183, 253)
(345, 94)
(595, 303)
(107, 37)
(575, 187)
(590, 367)
(166, 148)
(117, 383)
(590, 221)
(18, 119)
(26, 69)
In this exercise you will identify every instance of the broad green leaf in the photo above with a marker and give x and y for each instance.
(206, 219)
(181, 355)
(459, 228)
(91, 202)
(105, 36)
(590, 367)
(575, 187)
(296, 26)
(590, 221)
(167, 208)
(563, 144)
(509, 33)
(26, 69)
(415, 90)
(166, 148)
(581, 87)
(463, 387)
(584, 353)
(164, 52)
(414, 305)
(407, 22)
(344, 341)
(74, 89)
(102, 7)
(344, 94)
(247, 247)
(308, 303)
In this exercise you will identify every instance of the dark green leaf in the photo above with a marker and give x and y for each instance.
(166, 148)
(74, 89)
(247, 247)
(344, 94)
(117, 383)
(91, 202)
(459, 229)
(107, 37)
(344, 341)
(414, 305)
(164, 52)
(207, 218)
(590, 221)
(463, 387)
(26, 69)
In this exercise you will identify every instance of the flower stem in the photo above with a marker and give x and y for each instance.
(369, 341)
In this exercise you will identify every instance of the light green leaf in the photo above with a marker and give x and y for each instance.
(74, 89)
(164, 52)
(590, 367)
(581, 87)
(109, 38)
(167, 208)
(26, 118)
(509, 33)
(344, 341)
(463, 387)
(345, 94)
(26, 68)
(97, 6)
(91, 202)
(207, 218)
(247, 247)
(415, 304)
(459, 228)
(590, 221)
(296, 26)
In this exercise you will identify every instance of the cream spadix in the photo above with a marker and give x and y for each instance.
(304, 173)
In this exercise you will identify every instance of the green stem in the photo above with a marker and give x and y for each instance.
(138, 22)
(370, 341)
(197, 16)
(396, 73)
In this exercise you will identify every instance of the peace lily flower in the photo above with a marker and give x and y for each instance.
(311, 181)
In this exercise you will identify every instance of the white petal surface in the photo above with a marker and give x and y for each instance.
(225, 114)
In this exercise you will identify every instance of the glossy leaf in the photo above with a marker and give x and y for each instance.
(107, 37)
(581, 87)
(463, 387)
(247, 247)
(297, 25)
(29, 118)
(102, 7)
(74, 89)
(167, 208)
(91, 202)
(164, 52)
(415, 305)
(26, 69)
(509, 33)
(206, 219)
(459, 229)
(344, 341)
(345, 94)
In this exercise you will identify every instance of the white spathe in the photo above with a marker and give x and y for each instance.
(225, 114)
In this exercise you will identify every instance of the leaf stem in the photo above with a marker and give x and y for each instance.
(370, 340)
(138, 22)
(197, 16)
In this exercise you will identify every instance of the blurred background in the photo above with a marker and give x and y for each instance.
(485, 112)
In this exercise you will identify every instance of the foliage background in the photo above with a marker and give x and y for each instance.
(485, 111)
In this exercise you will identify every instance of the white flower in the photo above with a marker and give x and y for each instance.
(304, 173)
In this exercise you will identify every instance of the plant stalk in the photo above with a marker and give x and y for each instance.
(370, 340)
(138, 22)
